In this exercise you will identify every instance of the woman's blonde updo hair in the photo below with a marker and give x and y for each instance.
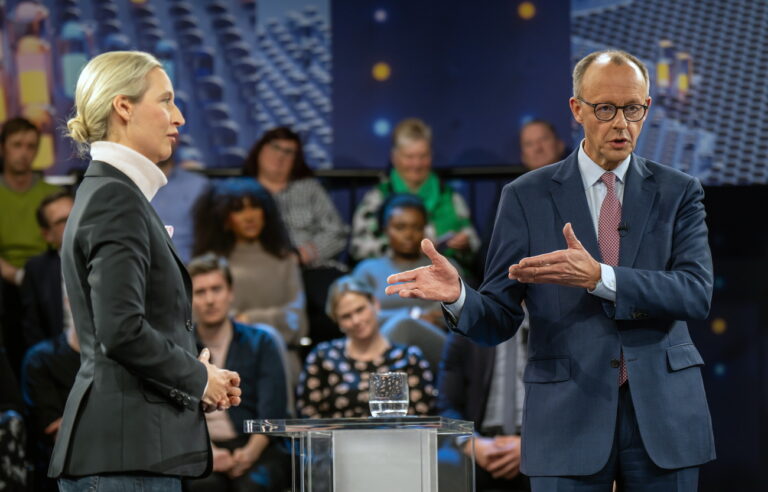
(103, 78)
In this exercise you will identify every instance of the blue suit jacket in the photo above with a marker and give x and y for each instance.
(664, 277)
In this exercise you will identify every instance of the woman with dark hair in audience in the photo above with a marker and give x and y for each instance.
(334, 382)
(314, 225)
(238, 219)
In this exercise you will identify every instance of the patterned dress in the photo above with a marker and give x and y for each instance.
(333, 385)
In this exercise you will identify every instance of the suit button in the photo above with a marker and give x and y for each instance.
(615, 363)
(188, 324)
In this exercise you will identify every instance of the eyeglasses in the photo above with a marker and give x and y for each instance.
(607, 112)
(288, 151)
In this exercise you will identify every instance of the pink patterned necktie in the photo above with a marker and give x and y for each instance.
(609, 239)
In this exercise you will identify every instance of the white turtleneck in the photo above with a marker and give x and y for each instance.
(143, 172)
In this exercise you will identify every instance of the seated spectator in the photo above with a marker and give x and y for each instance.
(334, 382)
(408, 321)
(313, 223)
(174, 202)
(13, 437)
(238, 219)
(448, 222)
(485, 385)
(21, 191)
(44, 303)
(48, 373)
(404, 218)
(241, 461)
(540, 145)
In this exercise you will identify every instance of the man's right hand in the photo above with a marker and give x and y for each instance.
(223, 388)
(437, 282)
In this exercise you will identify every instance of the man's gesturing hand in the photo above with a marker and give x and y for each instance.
(573, 267)
(436, 282)
(223, 388)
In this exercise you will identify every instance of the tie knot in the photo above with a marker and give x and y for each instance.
(609, 179)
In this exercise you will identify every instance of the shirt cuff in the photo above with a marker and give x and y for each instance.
(454, 308)
(606, 286)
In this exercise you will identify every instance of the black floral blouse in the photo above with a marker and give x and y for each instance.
(333, 385)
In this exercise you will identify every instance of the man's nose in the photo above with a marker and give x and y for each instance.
(620, 121)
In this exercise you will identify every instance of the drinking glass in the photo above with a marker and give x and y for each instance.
(388, 394)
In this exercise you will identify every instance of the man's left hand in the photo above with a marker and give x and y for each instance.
(572, 267)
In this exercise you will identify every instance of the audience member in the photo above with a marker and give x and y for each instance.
(174, 202)
(13, 437)
(241, 462)
(484, 384)
(404, 219)
(334, 382)
(45, 306)
(21, 191)
(48, 373)
(540, 145)
(313, 223)
(449, 222)
(238, 219)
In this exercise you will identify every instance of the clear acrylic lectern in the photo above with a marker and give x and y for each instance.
(393, 454)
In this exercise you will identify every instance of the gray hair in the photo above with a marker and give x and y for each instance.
(617, 57)
(409, 130)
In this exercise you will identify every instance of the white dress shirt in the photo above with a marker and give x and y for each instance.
(143, 172)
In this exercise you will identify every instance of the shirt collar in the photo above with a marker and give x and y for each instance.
(591, 172)
(143, 172)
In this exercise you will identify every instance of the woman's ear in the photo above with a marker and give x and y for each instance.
(123, 107)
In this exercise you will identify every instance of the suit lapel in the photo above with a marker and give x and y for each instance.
(102, 169)
(639, 194)
(568, 194)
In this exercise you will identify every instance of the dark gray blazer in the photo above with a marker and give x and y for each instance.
(135, 403)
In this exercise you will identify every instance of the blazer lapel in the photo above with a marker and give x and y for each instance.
(639, 195)
(568, 194)
(102, 169)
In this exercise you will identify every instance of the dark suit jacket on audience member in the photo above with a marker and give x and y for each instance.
(464, 382)
(255, 356)
(135, 405)
(47, 375)
(41, 298)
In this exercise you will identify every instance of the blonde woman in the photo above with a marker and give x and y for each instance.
(134, 416)
(334, 382)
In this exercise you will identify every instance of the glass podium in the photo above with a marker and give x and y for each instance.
(390, 454)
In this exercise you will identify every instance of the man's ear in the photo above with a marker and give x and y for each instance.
(576, 110)
(123, 107)
(47, 235)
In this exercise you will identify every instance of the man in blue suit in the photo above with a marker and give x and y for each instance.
(613, 382)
